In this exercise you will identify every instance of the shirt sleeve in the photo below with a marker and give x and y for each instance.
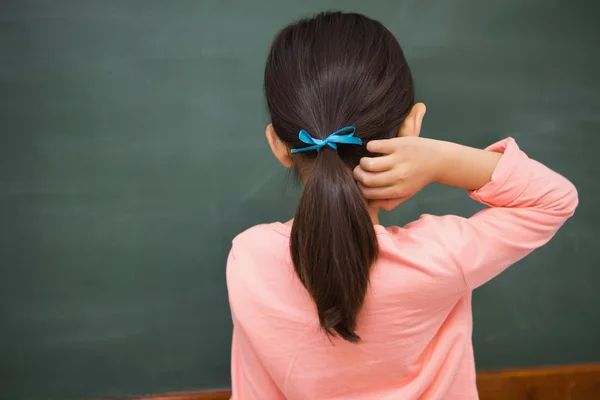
(528, 204)
(249, 378)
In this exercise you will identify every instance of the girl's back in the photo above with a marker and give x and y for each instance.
(335, 306)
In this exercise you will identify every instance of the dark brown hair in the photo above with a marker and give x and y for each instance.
(322, 74)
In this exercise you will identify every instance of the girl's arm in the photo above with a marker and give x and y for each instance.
(528, 201)
(464, 167)
(249, 378)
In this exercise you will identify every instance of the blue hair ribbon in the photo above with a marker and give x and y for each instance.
(337, 137)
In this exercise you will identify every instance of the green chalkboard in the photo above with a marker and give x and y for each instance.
(132, 152)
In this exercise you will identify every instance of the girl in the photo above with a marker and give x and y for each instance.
(332, 305)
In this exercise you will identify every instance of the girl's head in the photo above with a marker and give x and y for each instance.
(322, 74)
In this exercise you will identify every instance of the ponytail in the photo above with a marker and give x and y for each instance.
(322, 73)
(333, 244)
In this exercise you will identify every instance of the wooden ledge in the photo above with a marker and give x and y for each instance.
(569, 382)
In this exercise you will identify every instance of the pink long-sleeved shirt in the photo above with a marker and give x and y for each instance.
(416, 322)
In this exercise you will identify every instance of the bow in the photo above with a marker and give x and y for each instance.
(337, 137)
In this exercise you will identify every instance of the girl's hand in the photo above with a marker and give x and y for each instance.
(407, 165)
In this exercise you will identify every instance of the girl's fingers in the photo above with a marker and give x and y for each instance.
(380, 193)
(386, 146)
(374, 179)
(377, 164)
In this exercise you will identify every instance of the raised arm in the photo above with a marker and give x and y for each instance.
(529, 202)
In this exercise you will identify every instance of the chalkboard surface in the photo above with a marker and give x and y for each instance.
(132, 152)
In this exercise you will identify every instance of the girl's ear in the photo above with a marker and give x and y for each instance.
(279, 149)
(412, 123)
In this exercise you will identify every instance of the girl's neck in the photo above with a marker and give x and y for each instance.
(374, 213)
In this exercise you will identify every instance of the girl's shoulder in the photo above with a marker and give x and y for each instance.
(262, 238)
(260, 231)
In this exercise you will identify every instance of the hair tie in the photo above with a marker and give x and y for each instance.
(331, 140)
